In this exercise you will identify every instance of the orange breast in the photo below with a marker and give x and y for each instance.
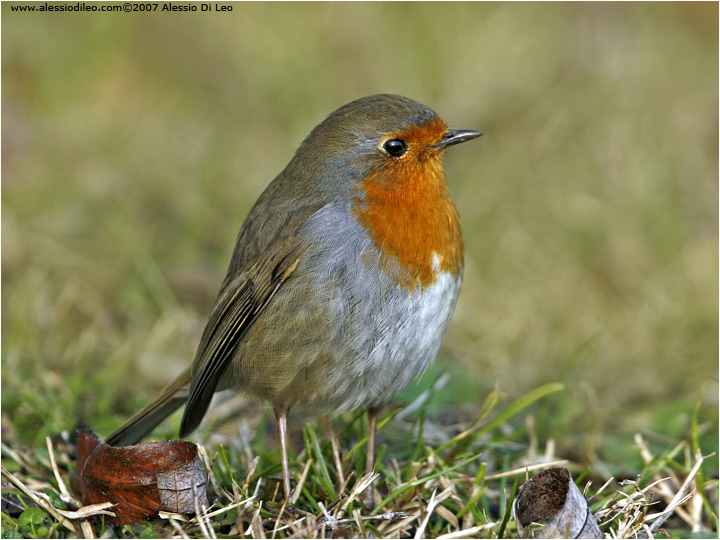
(407, 211)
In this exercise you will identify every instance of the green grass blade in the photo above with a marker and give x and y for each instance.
(319, 463)
(395, 494)
(508, 507)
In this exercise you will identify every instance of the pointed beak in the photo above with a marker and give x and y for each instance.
(456, 136)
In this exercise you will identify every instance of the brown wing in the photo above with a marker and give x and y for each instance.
(243, 298)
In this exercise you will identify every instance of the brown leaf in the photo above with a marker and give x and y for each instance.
(142, 480)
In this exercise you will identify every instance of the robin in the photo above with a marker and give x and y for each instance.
(343, 280)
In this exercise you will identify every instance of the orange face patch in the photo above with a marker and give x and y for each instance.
(406, 209)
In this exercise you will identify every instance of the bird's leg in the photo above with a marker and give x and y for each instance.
(372, 414)
(281, 416)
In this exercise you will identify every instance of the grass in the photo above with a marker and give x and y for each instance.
(462, 487)
(133, 146)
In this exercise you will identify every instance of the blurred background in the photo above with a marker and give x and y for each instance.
(133, 145)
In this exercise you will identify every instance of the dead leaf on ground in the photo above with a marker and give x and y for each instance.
(142, 480)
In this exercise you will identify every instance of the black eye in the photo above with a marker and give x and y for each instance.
(395, 147)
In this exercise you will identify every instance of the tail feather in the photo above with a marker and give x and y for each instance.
(170, 398)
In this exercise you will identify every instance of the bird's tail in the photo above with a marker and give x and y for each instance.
(160, 407)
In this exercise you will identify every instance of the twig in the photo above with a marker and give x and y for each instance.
(201, 517)
(360, 486)
(359, 522)
(466, 533)
(680, 497)
(87, 530)
(328, 520)
(256, 524)
(202, 452)
(521, 470)
(175, 525)
(301, 482)
(63, 517)
(434, 501)
(15, 456)
(65, 495)
(336, 458)
(357, 518)
(602, 488)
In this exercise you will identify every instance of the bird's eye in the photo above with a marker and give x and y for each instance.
(395, 147)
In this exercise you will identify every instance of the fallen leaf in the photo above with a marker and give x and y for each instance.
(142, 480)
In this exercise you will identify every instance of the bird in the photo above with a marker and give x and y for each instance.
(343, 279)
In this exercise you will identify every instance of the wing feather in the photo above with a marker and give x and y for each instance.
(234, 312)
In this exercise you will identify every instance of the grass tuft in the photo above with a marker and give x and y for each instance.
(465, 487)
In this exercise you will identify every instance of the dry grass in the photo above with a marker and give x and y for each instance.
(431, 493)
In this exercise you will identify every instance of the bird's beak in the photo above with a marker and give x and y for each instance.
(455, 136)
